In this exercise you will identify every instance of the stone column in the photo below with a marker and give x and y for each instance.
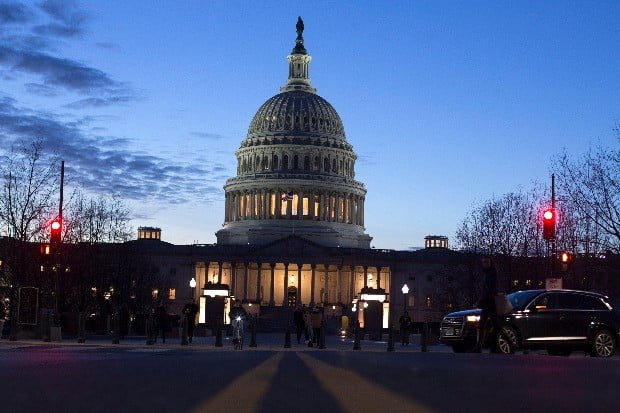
(378, 277)
(311, 205)
(219, 272)
(326, 285)
(299, 297)
(278, 213)
(322, 207)
(252, 204)
(289, 208)
(258, 282)
(312, 284)
(338, 292)
(365, 277)
(338, 209)
(285, 286)
(233, 278)
(300, 205)
(352, 282)
(245, 280)
(271, 286)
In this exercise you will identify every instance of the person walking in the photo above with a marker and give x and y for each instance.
(162, 321)
(486, 303)
(317, 321)
(298, 319)
(307, 324)
(405, 328)
(190, 310)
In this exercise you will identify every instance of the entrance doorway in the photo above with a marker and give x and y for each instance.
(292, 297)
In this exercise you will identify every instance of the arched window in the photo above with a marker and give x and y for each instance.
(295, 162)
(265, 163)
(317, 163)
(285, 162)
(326, 165)
(275, 163)
(306, 163)
(334, 166)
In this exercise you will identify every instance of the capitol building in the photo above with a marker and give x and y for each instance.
(293, 230)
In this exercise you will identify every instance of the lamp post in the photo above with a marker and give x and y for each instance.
(192, 285)
(405, 291)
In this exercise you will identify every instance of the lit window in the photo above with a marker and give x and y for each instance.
(272, 205)
(154, 293)
(316, 206)
(528, 282)
(305, 206)
(295, 204)
(42, 268)
(516, 282)
(429, 301)
(172, 294)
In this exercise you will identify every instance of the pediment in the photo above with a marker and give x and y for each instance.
(291, 247)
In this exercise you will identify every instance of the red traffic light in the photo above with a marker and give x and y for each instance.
(56, 231)
(549, 224)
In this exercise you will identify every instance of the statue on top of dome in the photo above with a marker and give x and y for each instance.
(300, 27)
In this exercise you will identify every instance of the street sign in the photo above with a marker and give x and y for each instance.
(553, 283)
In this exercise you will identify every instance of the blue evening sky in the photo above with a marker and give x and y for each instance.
(446, 103)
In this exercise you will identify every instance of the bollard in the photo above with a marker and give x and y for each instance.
(287, 337)
(218, 334)
(253, 331)
(424, 337)
(116, 334)
(47, 332)
(356, 343)
(81, 327)
(150, 331)
(184, 331)
(322, 337)
(390, 346)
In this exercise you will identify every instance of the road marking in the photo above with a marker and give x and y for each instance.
(245, 393)
(361, 394)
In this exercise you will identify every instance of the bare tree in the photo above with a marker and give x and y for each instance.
(592, 186)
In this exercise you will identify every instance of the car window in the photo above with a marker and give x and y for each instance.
(572, 301)
(521, 298)
(545, 302)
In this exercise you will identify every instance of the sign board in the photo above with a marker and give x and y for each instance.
(553, 283)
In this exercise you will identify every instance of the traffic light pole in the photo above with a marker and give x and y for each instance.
(552, 245)
(57, 252)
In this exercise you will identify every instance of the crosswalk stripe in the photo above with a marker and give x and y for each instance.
(361, 394)
(244, 393)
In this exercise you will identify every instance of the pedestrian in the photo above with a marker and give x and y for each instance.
(162, 321)
(486, 303)
(307, 324)
(190, 310)
(317, 321)
(405, 328)
(298, 319)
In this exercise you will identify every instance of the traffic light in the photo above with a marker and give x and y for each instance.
(565, 260)
(56, 230)
(549, 224)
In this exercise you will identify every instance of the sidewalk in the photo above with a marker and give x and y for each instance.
(264, 341)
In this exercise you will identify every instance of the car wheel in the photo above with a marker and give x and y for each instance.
(603, 344)
(564, 353)
(507, 340)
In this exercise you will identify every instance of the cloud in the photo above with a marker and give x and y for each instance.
(99, 102)
(41, 90)
(14, 12)
(69, 19)
(208, 135)
(107, 164)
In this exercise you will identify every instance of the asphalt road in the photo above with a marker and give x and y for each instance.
(137, 378)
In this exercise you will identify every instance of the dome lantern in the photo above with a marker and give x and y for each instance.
(299, 64)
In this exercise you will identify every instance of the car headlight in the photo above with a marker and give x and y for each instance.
(473, 318)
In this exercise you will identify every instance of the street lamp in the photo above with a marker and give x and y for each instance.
(192, 285)
(405, 291)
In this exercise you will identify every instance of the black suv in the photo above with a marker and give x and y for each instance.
(559, 321)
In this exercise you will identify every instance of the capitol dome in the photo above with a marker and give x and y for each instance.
(298, 111)
(295, 170)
